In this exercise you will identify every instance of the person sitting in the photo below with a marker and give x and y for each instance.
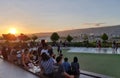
(35, 57)
(59, 71)
(67, 66)
(19, 57)
(75, 67)
(26, 59)
(13, 54)
(46, 65)
(4, 53)
(52, 55)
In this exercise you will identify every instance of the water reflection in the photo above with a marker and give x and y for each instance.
(94, 50)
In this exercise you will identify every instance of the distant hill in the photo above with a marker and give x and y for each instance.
(110, 30)
(41, 34)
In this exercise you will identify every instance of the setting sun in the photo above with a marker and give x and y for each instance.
(12, 31)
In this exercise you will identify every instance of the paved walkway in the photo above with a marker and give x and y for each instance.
(8, 70)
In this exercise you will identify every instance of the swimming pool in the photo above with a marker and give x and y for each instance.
(93, 50)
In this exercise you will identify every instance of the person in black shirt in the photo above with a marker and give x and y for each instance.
(75, 67)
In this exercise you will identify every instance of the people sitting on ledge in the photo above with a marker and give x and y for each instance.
(40, 59)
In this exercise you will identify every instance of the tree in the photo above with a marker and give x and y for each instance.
(1, 38)
(34, 37)
(86, 40)
(104, 37)
(69, 38)
(23, 37)
(55, 37)
(85, 37)
(9, 37)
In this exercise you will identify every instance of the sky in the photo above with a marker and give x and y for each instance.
(34, 16)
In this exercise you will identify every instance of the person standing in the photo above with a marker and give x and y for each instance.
(114, 46)
(59, 49)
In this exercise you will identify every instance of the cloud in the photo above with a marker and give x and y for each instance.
(94, 24)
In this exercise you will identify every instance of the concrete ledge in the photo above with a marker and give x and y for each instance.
(19, 67)
(9, 70)
(95, 75)
(82, 72)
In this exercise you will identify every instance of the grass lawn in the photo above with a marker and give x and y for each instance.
(107, 64)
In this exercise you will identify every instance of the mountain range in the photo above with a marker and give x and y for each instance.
(110, 30)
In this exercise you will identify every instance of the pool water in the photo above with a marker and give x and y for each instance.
(93, 50)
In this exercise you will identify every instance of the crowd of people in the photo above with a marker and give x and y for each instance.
(41, 55)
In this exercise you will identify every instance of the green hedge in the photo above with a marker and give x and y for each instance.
(72, 44)
(85, 44)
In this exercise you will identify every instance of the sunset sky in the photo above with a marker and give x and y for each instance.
(32, 16)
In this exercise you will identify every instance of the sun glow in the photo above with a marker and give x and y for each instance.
(13, 31)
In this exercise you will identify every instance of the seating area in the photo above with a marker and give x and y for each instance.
(8, 70)
(29, 57)
(17, 72)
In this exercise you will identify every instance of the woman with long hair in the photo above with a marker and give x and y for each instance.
(75, 67)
